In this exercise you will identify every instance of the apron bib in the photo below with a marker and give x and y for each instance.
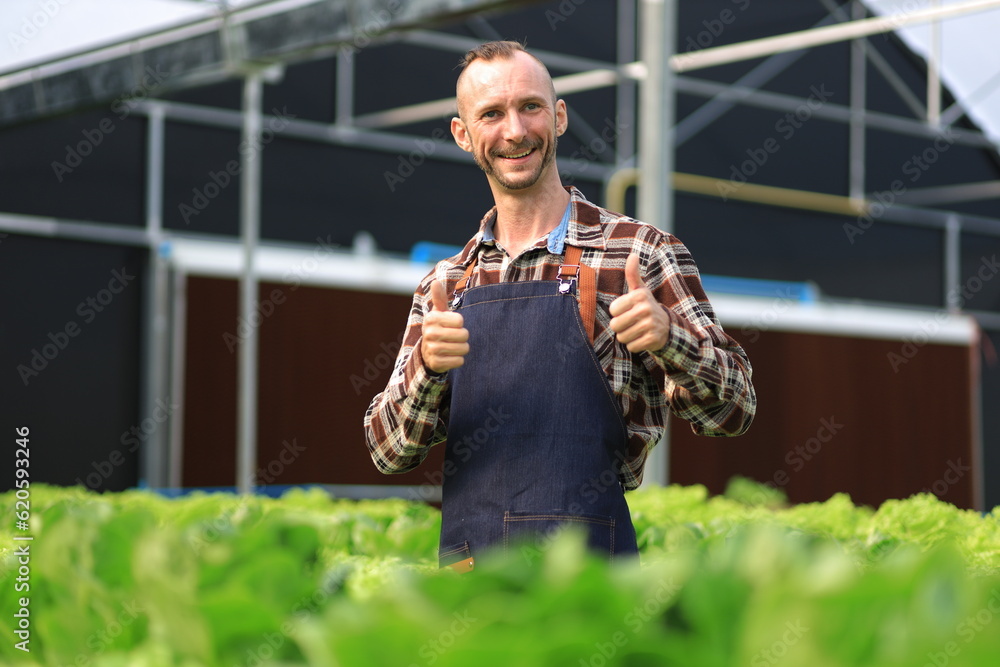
(535, 436)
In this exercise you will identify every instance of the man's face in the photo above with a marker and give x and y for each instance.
(509, 119)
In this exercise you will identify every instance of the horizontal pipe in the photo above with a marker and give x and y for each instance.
(804, 39)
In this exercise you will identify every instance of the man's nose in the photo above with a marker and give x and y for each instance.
(514, 128)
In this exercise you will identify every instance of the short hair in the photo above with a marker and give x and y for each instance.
(502, 49)
(499, 50)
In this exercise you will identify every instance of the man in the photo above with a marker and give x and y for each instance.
(550, 351)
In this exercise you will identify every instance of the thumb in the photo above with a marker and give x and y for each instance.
(439, 297)
(632, 275)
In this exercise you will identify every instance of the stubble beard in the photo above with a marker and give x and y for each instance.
(490, 170)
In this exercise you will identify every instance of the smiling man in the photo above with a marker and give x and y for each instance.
(549, 353)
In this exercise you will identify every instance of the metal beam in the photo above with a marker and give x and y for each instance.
(354, 137)
(950, 194)
(828, 111)
(200, 52)
(882, 65)
(714, 109)
(804, 39)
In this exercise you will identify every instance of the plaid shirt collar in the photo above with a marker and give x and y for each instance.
(583, 231)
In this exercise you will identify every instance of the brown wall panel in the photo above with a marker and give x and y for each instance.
(324, 354)
(835, 416)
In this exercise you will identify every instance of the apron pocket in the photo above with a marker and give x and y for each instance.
(534, 531)
(457, 556)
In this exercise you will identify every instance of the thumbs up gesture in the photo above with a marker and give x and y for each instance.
(444, 340)
(638, 319)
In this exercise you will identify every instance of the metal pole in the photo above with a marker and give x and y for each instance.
(625, 90)
(952, 263)
(656, 159)
(933, 72)
(805, 39)
(246, 427)
(859, 67)
(153, 455)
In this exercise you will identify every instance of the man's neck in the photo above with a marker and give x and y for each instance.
(526, 215)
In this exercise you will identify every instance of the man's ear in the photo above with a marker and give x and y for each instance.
(562, 118)
(460, 134)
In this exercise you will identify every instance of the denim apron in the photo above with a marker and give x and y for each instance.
(535, 435)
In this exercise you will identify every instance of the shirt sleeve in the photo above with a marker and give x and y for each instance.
(406, 419)
(708, 374)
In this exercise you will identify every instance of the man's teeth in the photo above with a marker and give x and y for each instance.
(514, 157)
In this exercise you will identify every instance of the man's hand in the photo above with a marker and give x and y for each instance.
(445, 340)
(638, 319)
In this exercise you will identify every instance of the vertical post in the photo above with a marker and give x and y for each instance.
(178, 357)
(246, 427)
(933, 72)
(656, 160)
(859, 66)
(153, 455)
(344, 102)
(625, 90)
(952, 263)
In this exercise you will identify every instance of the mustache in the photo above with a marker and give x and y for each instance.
(519, 148)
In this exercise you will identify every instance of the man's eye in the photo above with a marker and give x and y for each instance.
(490, 114)
(531, 106)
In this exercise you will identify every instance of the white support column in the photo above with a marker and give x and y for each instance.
(656, 157)
(246, 427)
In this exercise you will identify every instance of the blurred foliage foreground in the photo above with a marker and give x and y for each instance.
(741, 579)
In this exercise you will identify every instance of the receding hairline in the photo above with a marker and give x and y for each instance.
(497, 50)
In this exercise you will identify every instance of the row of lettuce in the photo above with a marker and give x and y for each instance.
(741, 579)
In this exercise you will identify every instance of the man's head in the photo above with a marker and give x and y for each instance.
(509, 117)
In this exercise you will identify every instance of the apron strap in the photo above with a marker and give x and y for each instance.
(463, 282)
(572, 268)
(586, 287)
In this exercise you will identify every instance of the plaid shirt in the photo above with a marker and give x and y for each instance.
(701, 374)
